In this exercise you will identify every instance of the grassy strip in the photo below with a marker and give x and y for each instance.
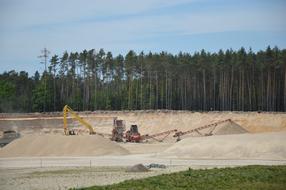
(248, 177)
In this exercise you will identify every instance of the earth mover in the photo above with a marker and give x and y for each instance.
(68, 131)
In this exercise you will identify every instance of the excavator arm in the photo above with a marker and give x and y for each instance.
(67, 110)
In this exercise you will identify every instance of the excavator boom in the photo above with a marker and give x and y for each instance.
(67, 110)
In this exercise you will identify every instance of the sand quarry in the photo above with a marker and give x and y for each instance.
(43, 158)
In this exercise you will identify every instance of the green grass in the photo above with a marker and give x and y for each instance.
(248, 177)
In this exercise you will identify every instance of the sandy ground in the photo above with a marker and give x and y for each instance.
(65, 172)
(58, 173)
(266, 146)
(128, 160)
(64, 178)
(44, 159)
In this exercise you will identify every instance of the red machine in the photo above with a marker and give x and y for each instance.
(133, 135)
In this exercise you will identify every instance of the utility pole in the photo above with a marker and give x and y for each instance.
(44, 56)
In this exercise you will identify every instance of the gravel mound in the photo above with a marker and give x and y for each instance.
(268, 146)
(138, 168)
(59, 145)
(229, 128)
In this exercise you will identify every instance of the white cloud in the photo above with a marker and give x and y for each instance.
(38, 12)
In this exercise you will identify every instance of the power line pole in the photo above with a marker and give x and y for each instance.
(44, 56)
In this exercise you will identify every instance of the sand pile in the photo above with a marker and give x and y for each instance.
(226, 128)
(58, 145)
(137, 168)
(242, 146)
(229, 128)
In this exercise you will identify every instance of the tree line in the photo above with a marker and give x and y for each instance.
(240, 80)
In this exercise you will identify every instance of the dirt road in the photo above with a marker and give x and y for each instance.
(128, 160)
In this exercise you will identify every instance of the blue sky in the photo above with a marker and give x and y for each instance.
(27, 26)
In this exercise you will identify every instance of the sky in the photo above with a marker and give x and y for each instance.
(28, 26)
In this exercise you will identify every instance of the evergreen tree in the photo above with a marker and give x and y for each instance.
(240, 80)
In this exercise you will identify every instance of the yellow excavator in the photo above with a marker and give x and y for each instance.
(67, 110)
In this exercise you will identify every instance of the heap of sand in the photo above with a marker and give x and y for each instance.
(269, 146)
(229, 128)
(137, 168)
(59, 145)
(226, 128)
